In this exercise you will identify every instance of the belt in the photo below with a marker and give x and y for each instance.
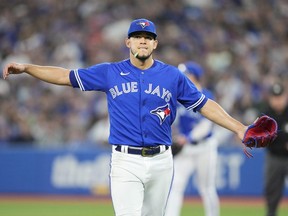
(201, 140)
(143, 151)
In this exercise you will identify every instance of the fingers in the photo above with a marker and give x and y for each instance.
(11, 68)
(6, 71)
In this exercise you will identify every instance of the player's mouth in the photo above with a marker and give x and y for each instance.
(143, 50)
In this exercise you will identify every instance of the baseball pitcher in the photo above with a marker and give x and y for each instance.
(142, 95)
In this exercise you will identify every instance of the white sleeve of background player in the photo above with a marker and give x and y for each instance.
(201, 130)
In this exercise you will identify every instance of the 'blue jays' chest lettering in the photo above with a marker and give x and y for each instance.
(132, 87)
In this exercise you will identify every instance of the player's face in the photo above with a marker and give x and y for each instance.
(142, 45)
(279, 102)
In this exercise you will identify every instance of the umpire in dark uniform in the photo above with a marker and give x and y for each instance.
(276, 166)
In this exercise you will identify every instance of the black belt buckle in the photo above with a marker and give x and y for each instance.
(145, 152)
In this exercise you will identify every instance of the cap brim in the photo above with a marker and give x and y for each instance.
(146, 32)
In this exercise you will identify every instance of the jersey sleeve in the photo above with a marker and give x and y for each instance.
(188, 95)
(92, 78)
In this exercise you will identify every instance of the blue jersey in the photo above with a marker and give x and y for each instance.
(195, 127)
(142, 104)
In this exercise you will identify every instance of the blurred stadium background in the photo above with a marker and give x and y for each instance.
(53, 140)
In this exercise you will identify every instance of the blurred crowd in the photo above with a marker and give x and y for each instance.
(242, 45)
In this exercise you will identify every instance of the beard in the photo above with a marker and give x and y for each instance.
(141, 58)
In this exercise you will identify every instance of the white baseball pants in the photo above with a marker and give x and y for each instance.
(140, 185)
(202, 160)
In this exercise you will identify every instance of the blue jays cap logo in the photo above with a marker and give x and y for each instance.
(143, 24)
(162, 112)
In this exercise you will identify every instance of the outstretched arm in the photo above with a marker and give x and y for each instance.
(55, 75)
(214, 112)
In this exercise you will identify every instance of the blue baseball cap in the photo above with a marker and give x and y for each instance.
(193, 68)
(142, 25)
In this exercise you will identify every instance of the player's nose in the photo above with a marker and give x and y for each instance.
(142, 39)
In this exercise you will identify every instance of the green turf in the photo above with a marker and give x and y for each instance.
(55, 209)
(231, 210)
(15, 208)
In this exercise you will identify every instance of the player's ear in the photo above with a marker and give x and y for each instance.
(127, 42)
(155, 44)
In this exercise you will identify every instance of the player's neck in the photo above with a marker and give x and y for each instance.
(142, 64)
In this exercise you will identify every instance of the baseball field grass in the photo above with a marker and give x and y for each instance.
(55, 206)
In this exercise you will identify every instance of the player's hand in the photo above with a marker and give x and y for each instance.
(13, 68)
(241, 132)
(181, 139)
(177, 145)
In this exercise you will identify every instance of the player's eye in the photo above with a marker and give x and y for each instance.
(148, 38)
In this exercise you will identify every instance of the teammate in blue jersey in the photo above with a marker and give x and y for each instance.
(142, 95)
(198, 153)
